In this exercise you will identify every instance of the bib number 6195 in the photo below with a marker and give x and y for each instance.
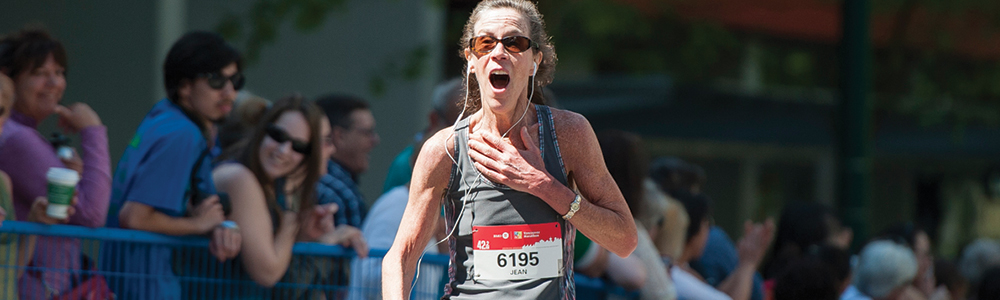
(518, 259)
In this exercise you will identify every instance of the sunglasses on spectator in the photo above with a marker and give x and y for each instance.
(483, 44)
(217, 81)
(279, 135)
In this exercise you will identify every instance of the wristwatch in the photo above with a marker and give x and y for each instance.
(573, 207)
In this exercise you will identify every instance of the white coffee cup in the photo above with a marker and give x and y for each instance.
(62, 187)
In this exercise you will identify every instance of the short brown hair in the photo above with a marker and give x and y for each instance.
(28, 49)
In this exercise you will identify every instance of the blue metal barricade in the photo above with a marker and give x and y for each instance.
(142, 265)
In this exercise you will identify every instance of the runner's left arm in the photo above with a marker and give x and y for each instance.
(603, 216)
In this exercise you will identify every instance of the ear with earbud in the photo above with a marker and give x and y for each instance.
(535, 71)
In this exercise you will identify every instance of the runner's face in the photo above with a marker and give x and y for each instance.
(503, 75)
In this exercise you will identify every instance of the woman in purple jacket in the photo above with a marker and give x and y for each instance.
(37, 64)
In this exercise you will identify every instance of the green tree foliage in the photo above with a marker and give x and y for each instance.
(259, 27)
(602, 36)
(919, 72)
(924, 72)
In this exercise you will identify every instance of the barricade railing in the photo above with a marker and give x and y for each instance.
(74, 262)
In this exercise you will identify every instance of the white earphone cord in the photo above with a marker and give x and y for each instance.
(465, 198)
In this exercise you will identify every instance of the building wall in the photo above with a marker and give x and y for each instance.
(353, 46)
(116, 50)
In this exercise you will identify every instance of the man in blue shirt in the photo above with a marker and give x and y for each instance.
(163, 183)
(719, 259)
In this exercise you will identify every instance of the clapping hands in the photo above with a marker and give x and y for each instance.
(757, 237)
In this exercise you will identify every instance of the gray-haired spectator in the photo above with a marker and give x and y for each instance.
(446, 106)
(978, 257)
(247, 111)
(883, 271)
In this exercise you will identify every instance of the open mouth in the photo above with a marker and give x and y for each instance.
(499, 79)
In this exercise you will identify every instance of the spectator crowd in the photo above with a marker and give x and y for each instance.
(256, 176)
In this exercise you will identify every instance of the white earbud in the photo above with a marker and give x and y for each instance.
(535, 71)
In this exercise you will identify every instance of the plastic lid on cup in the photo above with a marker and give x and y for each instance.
(63, 175)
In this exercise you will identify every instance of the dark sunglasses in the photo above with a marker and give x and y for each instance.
(483, 44)
(217, 81)
(279, 135)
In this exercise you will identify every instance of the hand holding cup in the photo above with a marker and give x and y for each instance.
(39, 212)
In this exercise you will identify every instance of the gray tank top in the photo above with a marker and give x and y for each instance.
(514, 233)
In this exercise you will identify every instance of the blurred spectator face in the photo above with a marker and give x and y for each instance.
(448, 99)
(40, 89)
(355, 143)
(978, 257)
(922, 250)
(669, 238)
(6, 99)
(328, 147)
(838, 235)
(208, 102)
(277, 154)
(698, 241)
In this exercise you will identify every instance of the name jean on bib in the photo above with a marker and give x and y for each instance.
(511, 252)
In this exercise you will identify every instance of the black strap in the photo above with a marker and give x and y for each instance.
(279, 193)
(194, 194)
(86, 266)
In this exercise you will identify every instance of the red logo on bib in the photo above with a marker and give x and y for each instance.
(507, 237)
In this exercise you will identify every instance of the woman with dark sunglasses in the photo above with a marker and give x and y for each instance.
(517, 177)
(287, 140)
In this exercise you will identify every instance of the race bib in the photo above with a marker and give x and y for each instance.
(510, 252)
